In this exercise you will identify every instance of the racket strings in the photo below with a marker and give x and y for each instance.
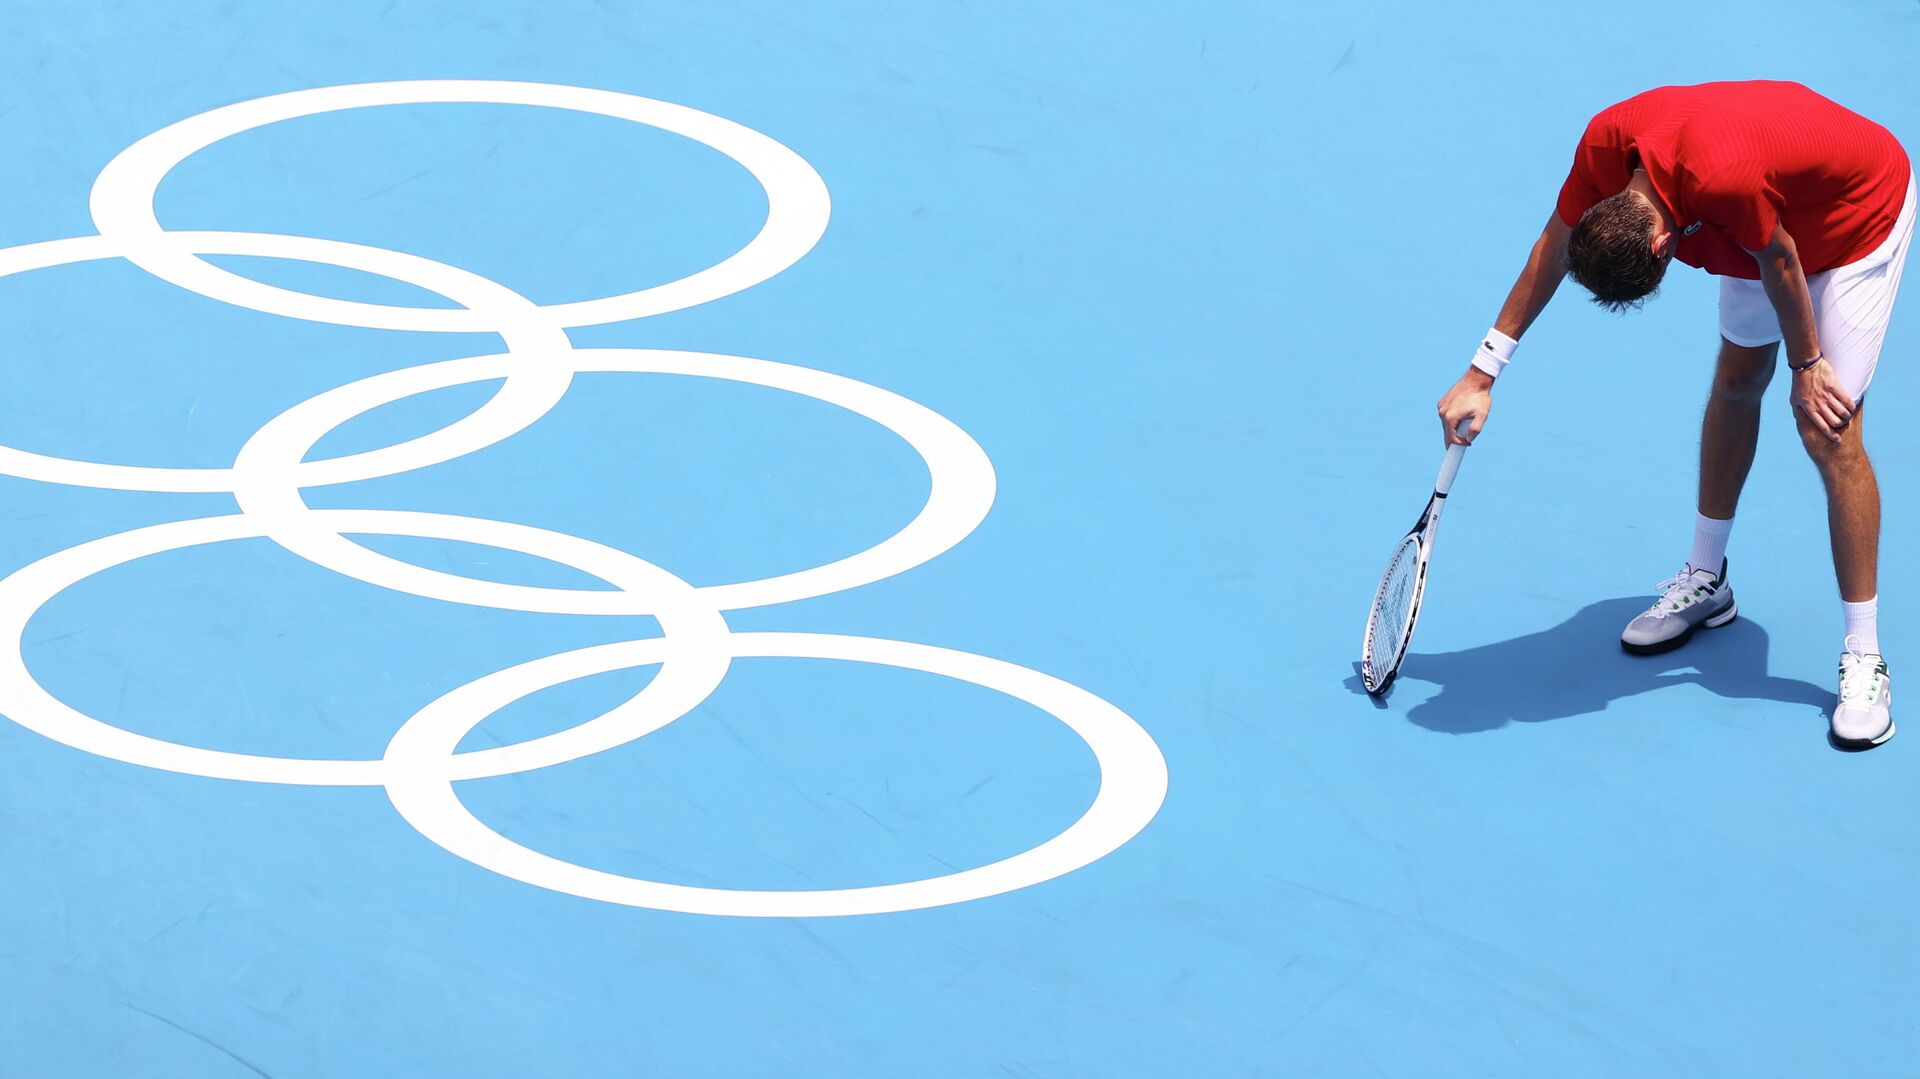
(1387, 628)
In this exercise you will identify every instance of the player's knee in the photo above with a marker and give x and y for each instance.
(1744, 382)
(1817, 443)
(1826, 452)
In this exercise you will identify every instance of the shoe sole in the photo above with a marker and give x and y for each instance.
(1672, 643)
(1854, 745)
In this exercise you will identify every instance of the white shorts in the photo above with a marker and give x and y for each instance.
(1851, 306)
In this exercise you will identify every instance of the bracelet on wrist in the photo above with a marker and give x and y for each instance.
(1796, 369)
(1494, 353)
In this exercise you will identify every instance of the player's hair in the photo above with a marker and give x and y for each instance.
(1611, 252)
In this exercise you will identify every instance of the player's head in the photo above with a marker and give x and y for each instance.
(1619, 251)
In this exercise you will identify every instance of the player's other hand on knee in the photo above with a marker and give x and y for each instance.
(1463, 411)
(1817, 396)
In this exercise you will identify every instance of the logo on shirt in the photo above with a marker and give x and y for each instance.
(1691, 229)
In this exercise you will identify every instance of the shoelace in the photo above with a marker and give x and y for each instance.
(1676, 592)
(1859, 680)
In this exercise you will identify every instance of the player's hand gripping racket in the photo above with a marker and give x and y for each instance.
(1396, 606)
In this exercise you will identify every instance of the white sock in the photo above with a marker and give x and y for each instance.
(1709, 542)
(1863, 625)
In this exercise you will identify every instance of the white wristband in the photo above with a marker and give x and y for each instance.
(1494, 353)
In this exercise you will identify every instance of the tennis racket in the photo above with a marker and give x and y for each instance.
(1396, 605)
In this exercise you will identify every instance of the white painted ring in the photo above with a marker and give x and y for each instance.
(1133, 782)
(694, 642)
(122, 201)
(536, 379)
(268, 473)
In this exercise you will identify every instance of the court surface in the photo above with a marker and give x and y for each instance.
(832, 539)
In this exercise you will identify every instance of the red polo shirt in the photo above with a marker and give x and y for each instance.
(1733, 159)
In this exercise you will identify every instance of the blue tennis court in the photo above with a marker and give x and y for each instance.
(746, 539)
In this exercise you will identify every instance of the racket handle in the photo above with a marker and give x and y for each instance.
(1450, 467)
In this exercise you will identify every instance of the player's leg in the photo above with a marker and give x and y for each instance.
(1699, 595)
(1852, 307)
(1863, 714)
(1853, 504)
(1730, 430)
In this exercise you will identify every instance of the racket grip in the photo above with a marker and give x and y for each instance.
(1450, 467)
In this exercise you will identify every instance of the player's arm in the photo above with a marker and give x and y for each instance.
(1815, 392)
(1471, 398)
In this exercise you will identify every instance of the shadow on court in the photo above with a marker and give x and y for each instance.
(1577, 668)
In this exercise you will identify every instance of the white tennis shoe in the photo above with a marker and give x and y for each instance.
(1688, 600)
(1863, 715)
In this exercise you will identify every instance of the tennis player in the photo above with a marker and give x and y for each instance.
(1804, 211)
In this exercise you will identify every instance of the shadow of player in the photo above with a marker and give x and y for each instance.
(1578, 667)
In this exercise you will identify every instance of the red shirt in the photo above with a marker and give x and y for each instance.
(1733, 159)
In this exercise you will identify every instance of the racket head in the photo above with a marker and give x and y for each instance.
(1396, 605)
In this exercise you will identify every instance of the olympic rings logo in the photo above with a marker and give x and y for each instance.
(695, 649)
